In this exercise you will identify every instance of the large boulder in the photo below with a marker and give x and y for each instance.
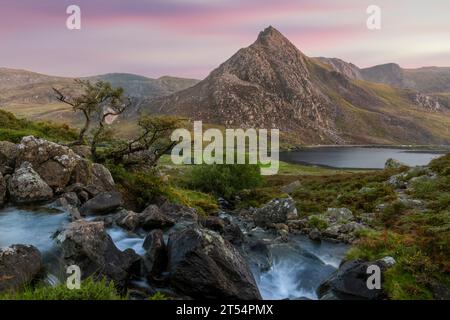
(102, 178)
(2, 190)
(153, 218)
(103, 203)
(203, 265)
(179, 212)
(26, 186)
(19, 265)
(53, 162)
(88, 245)
(276, 211)
(155, 259)
(349, 282)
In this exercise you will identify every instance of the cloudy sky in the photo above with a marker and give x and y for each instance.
(189, 38)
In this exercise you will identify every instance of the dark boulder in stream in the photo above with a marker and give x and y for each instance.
(19, 265)
(349, 282)
(155, 258)
(103, 203)
(203, 265)
(88, 245)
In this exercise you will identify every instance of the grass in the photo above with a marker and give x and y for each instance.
(360, 192)
(89, 290)
(13, 129)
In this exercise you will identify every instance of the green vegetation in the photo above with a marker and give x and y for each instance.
(139, 188)
(224, 180)
(360, 192)
(14, 129)
(158, 296)
(419, 240)
(89, 290)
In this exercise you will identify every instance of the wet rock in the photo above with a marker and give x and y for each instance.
(203, 265)
(68, 198)
(153, 218)
(128, 220)
(72, 210)
(2, 190)
(26, 186)
(259, 255)
(233, 234)
(155, 259)
(394, 164)
(19, 265)
(214, 223)
(88, 245)
(276, 211)
(349, 282)
(103, 203)
(315, 235)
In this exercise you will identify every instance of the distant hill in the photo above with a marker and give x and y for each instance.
(430, 80)
(30, 95)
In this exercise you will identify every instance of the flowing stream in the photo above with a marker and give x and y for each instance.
(299, 265)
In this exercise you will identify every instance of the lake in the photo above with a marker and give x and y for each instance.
(358, 157)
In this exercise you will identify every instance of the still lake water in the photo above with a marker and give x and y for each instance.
(358, 157)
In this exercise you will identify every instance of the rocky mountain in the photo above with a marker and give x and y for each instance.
(272, 84)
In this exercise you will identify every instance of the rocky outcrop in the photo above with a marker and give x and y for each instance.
(26, 186)
(103, 203)
(203, 265)
(53, 162)
(394, 164)
(349, 282)
(19, 265)
(276, 211)
(87, 245)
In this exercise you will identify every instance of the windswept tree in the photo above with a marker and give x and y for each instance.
(100, 104)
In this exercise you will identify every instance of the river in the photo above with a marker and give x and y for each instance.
(298, 265)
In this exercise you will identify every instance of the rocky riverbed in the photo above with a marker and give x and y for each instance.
(245, 254)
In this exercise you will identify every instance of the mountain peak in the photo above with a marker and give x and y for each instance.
(270, 35)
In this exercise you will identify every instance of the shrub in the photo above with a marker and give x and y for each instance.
(317, 222)
(139, 188)
(224, 180)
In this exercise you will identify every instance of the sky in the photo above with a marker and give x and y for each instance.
(189, 38)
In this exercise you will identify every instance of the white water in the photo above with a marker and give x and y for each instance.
(32, 226)
(125, 240)
(299, 266)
